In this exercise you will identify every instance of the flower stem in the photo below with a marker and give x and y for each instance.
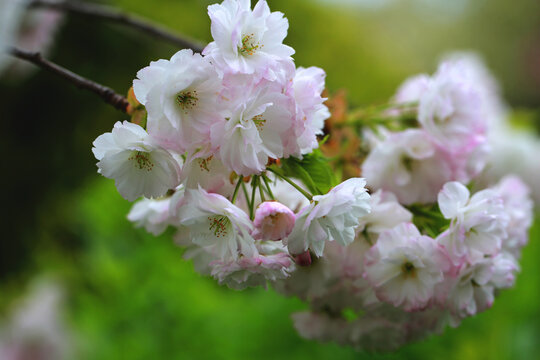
(362, 112)
(235, 194)
(246, 195)
(378, 120)
(268, 190)
(376, 115)
(302, 191)
(261, 190)
(253, 191)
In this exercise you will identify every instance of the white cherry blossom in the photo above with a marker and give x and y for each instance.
(478, 225)
(206, 170)
(247, 41)
(404, 267)
(451, 111)
(214, 222)
(471, 66)
(153, 214)
(472, 291)
(181, 96)
(412, 89)
(308, 85)
(519, 208)
(138, 166)
(252, 271)
(329, 217)
(386, 213)
(257, 129)
(409, 165)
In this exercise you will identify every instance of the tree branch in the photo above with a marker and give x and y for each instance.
(107, 94)
(114, 15)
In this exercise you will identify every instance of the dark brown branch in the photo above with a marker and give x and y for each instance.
(107, 94)
(114, 15)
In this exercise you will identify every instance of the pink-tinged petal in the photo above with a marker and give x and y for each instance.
(273, 221)
(452, 198)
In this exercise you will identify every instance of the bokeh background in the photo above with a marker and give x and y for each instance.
(129, 295)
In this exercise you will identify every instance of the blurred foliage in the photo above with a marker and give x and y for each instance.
(132, 296)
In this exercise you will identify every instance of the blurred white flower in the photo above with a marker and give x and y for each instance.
(451, 112)
(478, 225)
(408, 165)
(35, 328)
(404, 267)
(386, 213)
(252, 271)
(519, 209)
(153, 214)
(11, 16)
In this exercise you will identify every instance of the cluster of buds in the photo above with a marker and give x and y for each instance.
(223, 147)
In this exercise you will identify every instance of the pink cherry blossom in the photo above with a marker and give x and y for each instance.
(409, 165)
(273, 221)
(404, 267)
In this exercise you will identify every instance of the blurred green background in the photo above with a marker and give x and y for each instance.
(131, 295)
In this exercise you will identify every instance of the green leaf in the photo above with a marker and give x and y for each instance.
(314, 170)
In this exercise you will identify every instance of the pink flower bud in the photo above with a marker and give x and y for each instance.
(273, 221)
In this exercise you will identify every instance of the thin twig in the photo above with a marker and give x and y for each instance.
(111, 14)
(107, 94)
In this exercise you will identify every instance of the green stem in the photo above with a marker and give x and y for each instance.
(373, 121)
(379, 108)
(302, 191)
(425, 213)
(366, 236)
(246, 196)
(253, 191)
(268, 190)
(235, 194)
(261, 190)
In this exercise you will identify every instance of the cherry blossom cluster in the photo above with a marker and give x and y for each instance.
(226, 153)
(453, 109)
(207, 162)
(394, 284)
(430, 253)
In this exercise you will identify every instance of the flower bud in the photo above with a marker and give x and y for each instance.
(273, 221)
